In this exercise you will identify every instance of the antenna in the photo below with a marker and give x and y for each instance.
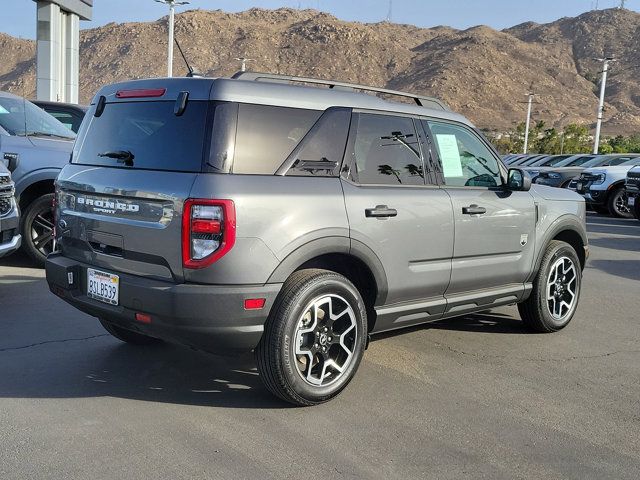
(186, 62)
(390, 12)
(622, 3)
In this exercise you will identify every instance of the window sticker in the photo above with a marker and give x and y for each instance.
(449, 155)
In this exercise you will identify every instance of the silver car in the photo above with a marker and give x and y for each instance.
(263, 213)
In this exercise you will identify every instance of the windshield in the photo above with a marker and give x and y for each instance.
(633, 161)
(555, 161)
(21, 117)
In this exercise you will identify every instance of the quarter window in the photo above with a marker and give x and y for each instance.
(386, 151)
(466, 160)
(267, 135)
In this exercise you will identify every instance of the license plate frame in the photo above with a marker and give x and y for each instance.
(103, 286)
(579, 187)
(631, 201)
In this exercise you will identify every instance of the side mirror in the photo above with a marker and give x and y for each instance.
(518, 180)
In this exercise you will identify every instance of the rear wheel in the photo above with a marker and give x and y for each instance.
(37, 228)
(314, 338)
(618, 204)
(128, 336)
(556, 290)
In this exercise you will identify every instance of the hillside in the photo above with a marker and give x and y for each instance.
(480, 72)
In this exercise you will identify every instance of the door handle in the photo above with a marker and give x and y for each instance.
(473, 210)
(380, 211)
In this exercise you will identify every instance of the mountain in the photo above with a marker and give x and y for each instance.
(483, 73)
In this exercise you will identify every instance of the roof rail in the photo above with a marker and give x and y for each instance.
(421, 100)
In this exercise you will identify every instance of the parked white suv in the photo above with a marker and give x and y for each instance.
(603, 188)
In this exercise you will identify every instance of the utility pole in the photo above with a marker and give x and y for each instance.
(243, 66)
(603, 85)
(528, 122)
(622, 2)
(390, 12)
(172, 6)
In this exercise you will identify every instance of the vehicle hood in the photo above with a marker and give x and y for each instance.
(554, 193)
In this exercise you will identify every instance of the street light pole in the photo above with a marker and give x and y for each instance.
(603, 86)
(172, 6)
(528, 122)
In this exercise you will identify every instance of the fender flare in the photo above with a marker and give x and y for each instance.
(333, 245)
(34, 177)
(561, 224)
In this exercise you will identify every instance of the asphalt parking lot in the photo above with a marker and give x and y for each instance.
(476, 397)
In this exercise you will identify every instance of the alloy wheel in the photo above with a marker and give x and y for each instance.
(562, 285)
(620, 204)
(42, 231)
(325, 340)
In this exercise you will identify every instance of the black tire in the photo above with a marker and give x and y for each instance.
(278, 365)
(37, 228)
(617, 204)
(536, 310)
(127, 336)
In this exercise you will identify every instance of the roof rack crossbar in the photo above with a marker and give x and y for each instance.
(420, 100)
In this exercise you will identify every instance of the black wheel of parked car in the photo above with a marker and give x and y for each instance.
(314, 338)
(556, 290)
(128, 336)
(37, 228)
(618, 206)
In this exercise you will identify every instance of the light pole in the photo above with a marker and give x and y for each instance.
(243, 65)
(528, 122)
(603, 85)
(172, 6)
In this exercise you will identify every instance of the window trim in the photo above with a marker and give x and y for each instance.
(440, 174)
(348, 161)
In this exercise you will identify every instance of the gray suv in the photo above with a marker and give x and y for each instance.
(264, 213)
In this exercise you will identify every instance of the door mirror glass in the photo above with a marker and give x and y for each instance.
(518, 180)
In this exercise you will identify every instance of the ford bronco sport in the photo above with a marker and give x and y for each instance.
(267, 213)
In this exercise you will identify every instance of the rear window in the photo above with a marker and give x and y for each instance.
(155, 136)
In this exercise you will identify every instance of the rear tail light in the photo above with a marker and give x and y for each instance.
(208, 231)
(141, 93)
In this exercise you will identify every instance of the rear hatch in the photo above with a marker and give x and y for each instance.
(137, 156)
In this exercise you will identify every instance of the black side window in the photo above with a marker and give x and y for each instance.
(267, 135)
(320, 153)
(385, 151)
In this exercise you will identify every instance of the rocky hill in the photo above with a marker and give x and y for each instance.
(480, 72)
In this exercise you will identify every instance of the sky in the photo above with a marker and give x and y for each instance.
(18, 16)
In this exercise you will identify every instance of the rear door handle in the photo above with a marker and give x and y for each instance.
(473, 210)
(380, 211)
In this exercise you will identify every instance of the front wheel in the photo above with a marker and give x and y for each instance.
(618, 206)
(314, 338)
(37, 228)
(556, 290)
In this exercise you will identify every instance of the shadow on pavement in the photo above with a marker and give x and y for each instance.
(98, 367)
(489, 322)
(628, 243)
(629, 269)
(19, 260)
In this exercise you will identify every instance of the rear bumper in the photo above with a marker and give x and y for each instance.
(205, 317)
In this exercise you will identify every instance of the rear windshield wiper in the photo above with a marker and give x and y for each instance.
(123, 156)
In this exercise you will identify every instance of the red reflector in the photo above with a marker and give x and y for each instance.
(143, 317)
(254, 303)
(141, 92)
(205, 226)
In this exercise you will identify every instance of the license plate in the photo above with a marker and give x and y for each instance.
(103, 286)
(632, 201)
(579, 186)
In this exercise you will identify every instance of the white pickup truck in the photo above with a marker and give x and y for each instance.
(603, 188)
